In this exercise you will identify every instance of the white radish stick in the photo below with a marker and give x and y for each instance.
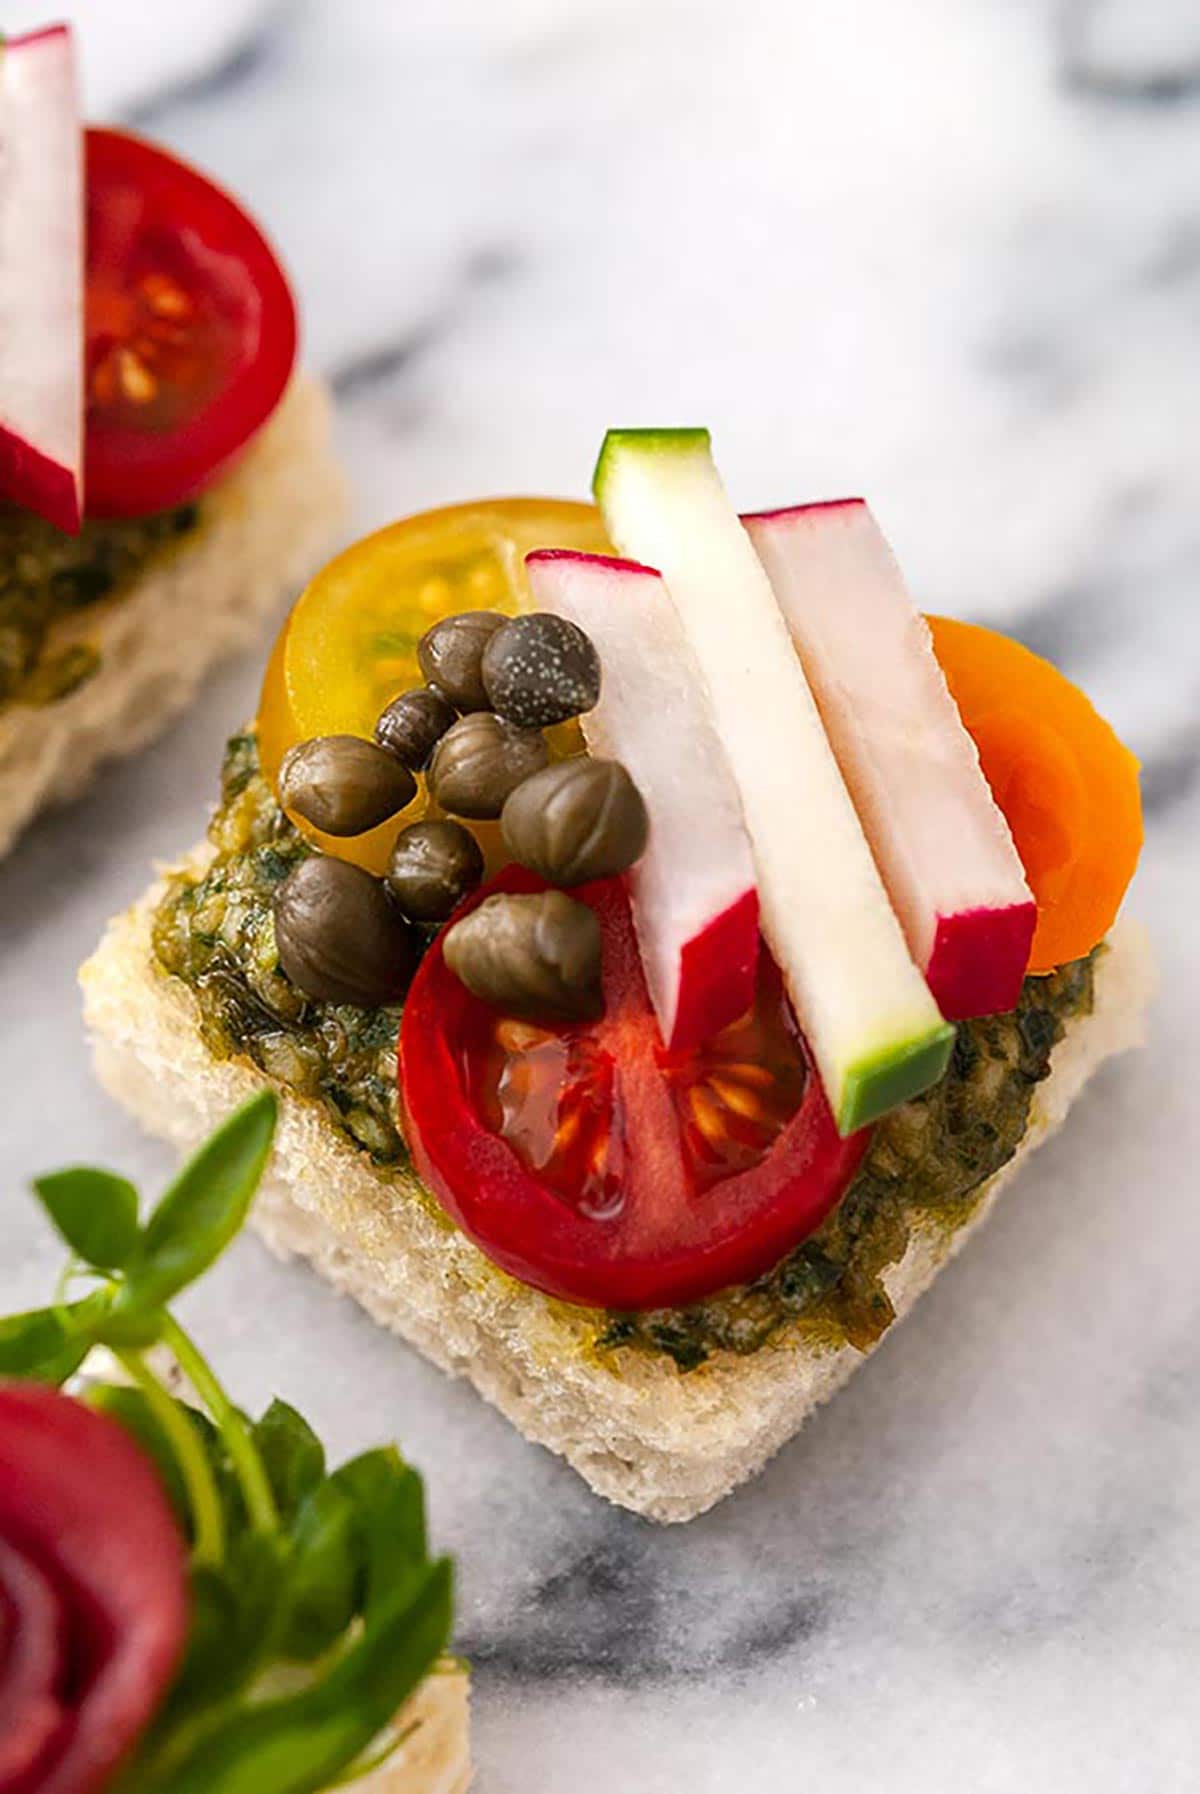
(41, 277)
(693, 895)
(941, 842)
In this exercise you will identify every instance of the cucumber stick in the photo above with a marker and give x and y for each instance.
(875, 1031)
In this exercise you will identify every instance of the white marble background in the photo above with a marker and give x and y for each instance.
(946, 252)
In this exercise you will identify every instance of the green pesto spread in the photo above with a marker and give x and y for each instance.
(47, 576)
(926, 1165)
(217, 933)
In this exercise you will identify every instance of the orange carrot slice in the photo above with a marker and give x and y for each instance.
(1067, 785)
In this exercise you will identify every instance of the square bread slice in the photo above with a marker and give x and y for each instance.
(664, 1443)
(263, 528)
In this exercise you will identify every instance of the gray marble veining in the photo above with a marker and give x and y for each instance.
(946, 252)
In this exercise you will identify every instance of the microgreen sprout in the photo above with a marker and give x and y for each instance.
(316, 1609)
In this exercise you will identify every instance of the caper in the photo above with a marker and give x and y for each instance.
(576, 820)
(413, 724)
(434, 865)
(533, 956)
(541, 669)
(339, 936)
(479, 761)
(450, 656)
(342, 784)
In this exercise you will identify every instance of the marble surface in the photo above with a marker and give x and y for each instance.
(946, 252)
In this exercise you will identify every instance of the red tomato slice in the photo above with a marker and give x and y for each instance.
(191, 328)
(589, 1161)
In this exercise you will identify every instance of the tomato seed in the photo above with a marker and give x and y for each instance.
(519, 1037)
(565, 1132)
(137, 382)
(706, 1113)
(758, 1077)
(165, 298)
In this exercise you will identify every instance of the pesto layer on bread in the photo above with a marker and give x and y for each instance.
(926, 1165)
(47, 576)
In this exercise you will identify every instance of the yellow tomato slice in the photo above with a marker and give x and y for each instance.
(350, 644)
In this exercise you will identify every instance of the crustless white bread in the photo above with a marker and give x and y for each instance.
(664, 1443)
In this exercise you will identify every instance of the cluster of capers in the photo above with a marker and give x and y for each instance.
(474, 730)
(344, 936)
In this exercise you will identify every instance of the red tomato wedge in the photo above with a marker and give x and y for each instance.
(191, 328)
(93, 1593)
(591, 1162)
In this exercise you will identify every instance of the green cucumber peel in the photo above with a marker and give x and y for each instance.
(316, 1609)
(687, 439)
(885, 1079)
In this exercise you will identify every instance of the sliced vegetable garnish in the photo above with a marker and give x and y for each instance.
(591, 1162)
(350, 644)
(92, 1583)
(41, 277)
(874, 1028)
(191, 328)
(695, 902)
(940, 841)
(1065, 782)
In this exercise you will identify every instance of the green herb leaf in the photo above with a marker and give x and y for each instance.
(213, 1618)
(235, 1622)
(202, 1210)
(232, 1638)
(95, 1211)
(299, 1744)
(126, 1325)
(293, 1457)
(48, 1345)
(325, 1579)
(357, 1537)
(390, 1504)
(36, 1345)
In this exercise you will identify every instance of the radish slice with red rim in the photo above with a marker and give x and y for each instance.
(41, 278)
(693, 892)
(940, 841)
